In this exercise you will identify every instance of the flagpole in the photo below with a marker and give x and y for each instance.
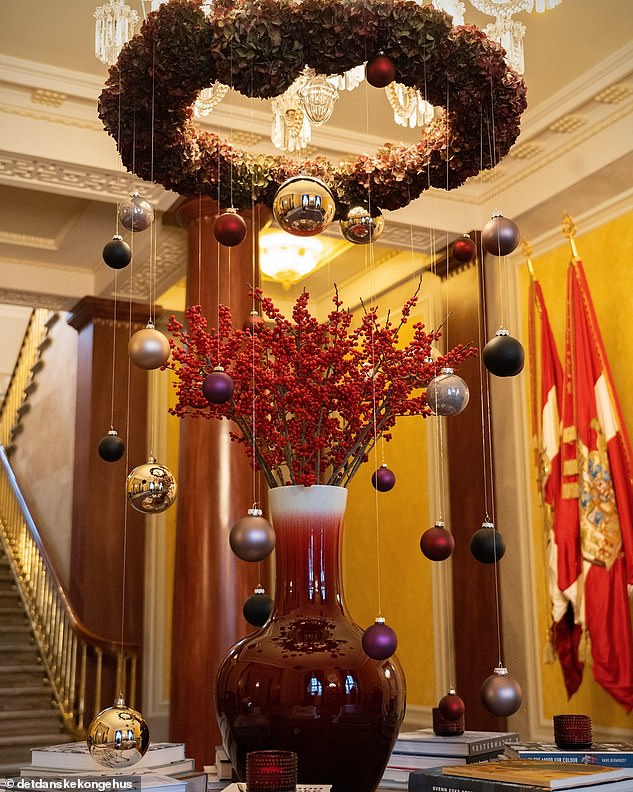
(569, 231)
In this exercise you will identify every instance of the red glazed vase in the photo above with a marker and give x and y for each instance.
(302, 682)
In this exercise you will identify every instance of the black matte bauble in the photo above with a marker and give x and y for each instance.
(487, 545)
(111, 448)
(257, 609)
(504, 356)
(117, 254)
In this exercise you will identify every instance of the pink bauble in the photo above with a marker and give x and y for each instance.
(501, 694)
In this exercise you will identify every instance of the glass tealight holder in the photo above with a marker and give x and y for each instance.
(271, 771)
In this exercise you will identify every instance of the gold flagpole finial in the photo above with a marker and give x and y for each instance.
(527, 252)
(569, 231)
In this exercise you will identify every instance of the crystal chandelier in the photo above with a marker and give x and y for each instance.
(409, 108)
(115, 26)
(318, 97)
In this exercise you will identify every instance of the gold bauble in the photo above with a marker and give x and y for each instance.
(304, 206)
(151, 488)
(118, 736)
(361, 226)
(148, 348)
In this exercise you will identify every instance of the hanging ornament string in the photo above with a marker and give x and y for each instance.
(486, 433)
(492, 149)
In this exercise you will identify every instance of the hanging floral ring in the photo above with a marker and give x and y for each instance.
(260, 47)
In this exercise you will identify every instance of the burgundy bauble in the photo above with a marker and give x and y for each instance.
(111, 448)
(487, 545)
(500, 236)
(503, 355)
(464, 249)
(501, 694)
(117, 254)
(379, 640)
(258, 608)
(380, 71)
(437, 543)
(229, 228)
(253, 323)
(383, 479)
(451, 706)
(218, 387)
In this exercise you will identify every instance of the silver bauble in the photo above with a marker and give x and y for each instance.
(148, 348)
(118, 736)
(151, 488)
(360, 226)
(500, 693)
(304, 206)
(447, 394)
(136, 214)
(252, 538)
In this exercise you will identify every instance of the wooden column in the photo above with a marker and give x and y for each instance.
(99, 499)
(215, 481)
(474, 609)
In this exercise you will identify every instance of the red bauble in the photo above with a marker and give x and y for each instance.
(229, 228)
(253, 323)
(380, 71)
(451, 706)
(464, 249)
(437, 543)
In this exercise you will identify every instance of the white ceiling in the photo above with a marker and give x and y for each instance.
(60, 176)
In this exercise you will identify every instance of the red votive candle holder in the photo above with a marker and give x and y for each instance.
(271, 771)
(572, 731)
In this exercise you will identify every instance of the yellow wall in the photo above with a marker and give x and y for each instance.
(405, 575)
(607, 255)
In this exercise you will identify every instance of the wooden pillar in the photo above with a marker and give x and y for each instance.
(99, 499)
(215, 481)
(475, 637)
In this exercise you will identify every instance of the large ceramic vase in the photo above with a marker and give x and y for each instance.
(303, 682)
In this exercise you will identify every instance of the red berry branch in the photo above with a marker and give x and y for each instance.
(310, 398)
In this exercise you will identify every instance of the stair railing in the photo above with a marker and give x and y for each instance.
(76, 659)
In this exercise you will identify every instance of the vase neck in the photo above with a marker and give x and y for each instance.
(307, 522)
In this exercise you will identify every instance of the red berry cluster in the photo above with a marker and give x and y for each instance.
(310, 398)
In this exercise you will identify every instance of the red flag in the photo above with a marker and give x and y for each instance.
(594, 529)
(566, 630)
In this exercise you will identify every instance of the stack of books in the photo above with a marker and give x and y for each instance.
(617, 754)
(164, 768)
(425, 749)
(522, 775)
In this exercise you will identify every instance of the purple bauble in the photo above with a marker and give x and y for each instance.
(218, 387)
(380, 71)
(379, 641)
(437, 543)
(500, 693)
(383, 479)
(464, 249)
(500, 236)
(503, 355)
(229, 228)
(451, 706)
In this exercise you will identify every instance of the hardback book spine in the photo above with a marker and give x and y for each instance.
(438, 747)
(612, 759)
(421, 781)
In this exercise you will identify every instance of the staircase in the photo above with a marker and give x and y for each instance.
(28, 715)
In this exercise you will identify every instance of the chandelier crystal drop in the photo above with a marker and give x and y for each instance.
(409, 108)
(208, 98)
(502, 7)
(115, 26)
(509, 33)
(291, 130)
(349, 80)
(454, 8)
(318, 97)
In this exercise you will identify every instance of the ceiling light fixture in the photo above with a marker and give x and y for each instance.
(287, 259)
